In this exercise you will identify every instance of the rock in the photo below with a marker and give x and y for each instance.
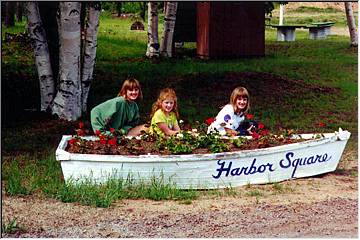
(137, 26)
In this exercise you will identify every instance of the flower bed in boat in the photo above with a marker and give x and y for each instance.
(186, 142)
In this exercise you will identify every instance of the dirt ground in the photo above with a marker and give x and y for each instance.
(322, 206)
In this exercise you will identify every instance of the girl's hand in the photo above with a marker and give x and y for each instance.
(250, 129)
(231, 132)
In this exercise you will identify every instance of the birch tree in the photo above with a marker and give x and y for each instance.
(42, 56)
(90, 45)
(67, 103)
(351, 24)
(169, 26)
(153, 39)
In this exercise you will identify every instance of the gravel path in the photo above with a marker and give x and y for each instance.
(324, 206)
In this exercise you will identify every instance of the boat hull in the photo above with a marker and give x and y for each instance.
(209, 171)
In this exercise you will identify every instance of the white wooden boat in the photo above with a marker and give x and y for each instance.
(208, 171)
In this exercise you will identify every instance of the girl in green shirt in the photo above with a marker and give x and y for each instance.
(121, 112)
(164, 114)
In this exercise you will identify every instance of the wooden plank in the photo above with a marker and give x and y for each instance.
(202, 42)
(233, 29)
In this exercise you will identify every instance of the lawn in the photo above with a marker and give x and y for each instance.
(296, 85)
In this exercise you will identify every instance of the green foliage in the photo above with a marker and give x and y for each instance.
(303, 9)
(254, 193)
(10, 227)
(238, 142)
(14, 184)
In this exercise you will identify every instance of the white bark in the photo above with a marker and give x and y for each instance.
(42, 56)
(169, 26)
(67, 103)
(351, 24)
(281, 14)
(92, 26)
(153, 39)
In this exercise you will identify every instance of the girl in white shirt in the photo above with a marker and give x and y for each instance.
(231, 115)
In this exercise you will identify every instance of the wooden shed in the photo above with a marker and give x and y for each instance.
(223, 29)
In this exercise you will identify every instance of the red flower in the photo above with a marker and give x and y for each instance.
(80, 132)
(72, 141)
(112, 141)
(249, 116)
(112, 130)
(209, 120)
(261, 125)
(81, 125)
(255, 135)
(264, 132)
(321, 124)
(102, 137)
(97, 132)
(103, 141)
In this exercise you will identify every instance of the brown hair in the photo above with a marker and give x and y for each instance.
(165, 94)
(240, 92)
(130, 84)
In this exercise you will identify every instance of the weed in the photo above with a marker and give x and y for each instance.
(255, 193)
(14, 184)
(281, 188)
(186, 201)
(353, 173)
(231, 191)
(11, 227)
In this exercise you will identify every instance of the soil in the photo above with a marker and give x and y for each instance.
(148, 145)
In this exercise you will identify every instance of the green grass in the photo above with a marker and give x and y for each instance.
(11, 227)
(307, 15)
(28, 146)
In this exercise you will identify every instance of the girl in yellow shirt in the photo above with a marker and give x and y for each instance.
(164, 114)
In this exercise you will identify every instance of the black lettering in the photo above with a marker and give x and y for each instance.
(222, 169)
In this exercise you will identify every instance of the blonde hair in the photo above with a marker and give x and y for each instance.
(240, 92)
(130, 84)
(165, 93)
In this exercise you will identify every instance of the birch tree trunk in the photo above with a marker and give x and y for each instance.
(92, 26)
(42, 57)
(281, 14)
(169, 26)
(351, 24)
(153, 39)
(67, 103)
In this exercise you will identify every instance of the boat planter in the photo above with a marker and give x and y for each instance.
(208, 171)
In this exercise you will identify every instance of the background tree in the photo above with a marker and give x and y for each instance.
(42, 56)
(153, 39)
(19, 11)
(67, 102)
(118, 8)
(143, 10)
(9, 13)
(169, 26)
(92, 26)
(351, 24)
(75, 68)
(49, 17)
